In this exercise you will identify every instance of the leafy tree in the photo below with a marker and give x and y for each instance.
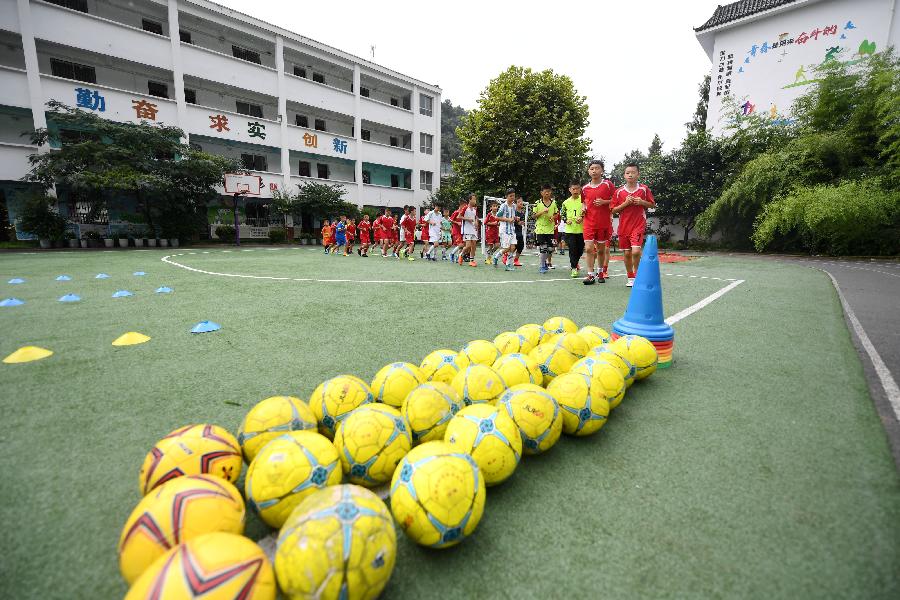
(314, 200)
(655, 147)
(449, 194)
(635, 156)
(38, 217)
(451, 117)
(171, 181)
(698, 123)
(528, 129)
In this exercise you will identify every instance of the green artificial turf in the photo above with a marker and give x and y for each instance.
(755, 466)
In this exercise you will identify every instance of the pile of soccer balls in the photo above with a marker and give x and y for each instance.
(438, 433)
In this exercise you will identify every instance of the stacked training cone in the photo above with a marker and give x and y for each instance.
(644, 315)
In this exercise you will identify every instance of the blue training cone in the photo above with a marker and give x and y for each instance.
(205, 327)
(644, 315)
(164, 290)
(11, 302)
(16, 280)
(101, 276)
(70, 298)
(64, 278)
(122, 294)
(138, 273)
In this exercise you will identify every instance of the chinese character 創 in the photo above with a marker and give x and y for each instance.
(310, 140)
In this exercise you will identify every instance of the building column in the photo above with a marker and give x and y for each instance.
(35, 92)
(177, 68)
(418, 158)
(436, 115)
(357, 131)
(282, 114)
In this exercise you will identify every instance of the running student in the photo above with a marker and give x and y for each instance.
(433, 220)
(446, 226)
(597, 223)
(506, 217)
(409, 232)
(327, 235)
(423, 234)
(470, 231)
(456, 230)
(387, 231)
(351, 236)
(521, 213)
(340, 234)
(572, 215)
(631, 203)
(364, 228)
(544, 215)
(491, 232)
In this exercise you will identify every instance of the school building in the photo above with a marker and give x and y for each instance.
(764, 53)
(291, 108)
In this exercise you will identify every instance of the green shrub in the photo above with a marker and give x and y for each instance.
(277, 235)
(225, 233)
(852, 217)
(38, 218)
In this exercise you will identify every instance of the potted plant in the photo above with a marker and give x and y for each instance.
(173, 242)
(108, 239)
(93, 239)
(123, 238)
(38, 218)
(151, 242)
(277, 235)
(84, 242)
(71, 239)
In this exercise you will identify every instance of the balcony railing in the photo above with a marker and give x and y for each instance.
(14, 87)
(223, 68)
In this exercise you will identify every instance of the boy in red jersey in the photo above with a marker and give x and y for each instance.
(364, 228)
(631, 203)
(409, 232)
(491, 232)
(387, 232)
(423, 234)
(455, 229)
(597, 223)
(351, 236)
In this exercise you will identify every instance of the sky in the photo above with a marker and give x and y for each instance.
(637, 61)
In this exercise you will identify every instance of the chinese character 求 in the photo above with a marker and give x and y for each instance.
(219, 123)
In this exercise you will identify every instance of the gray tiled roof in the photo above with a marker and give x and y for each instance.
(739, 10)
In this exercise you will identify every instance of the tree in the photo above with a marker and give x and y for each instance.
(698, 123)
(171, 181)
(449, 194)
(451, 117)
(618, 171)
(655, 147)
(314, 200)
(528, 129)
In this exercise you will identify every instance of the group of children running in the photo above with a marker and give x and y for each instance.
(585, 218)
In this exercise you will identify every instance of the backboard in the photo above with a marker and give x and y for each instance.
(247, 184)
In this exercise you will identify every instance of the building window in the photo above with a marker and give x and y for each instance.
(367, 176)
(244, 54)
(155, 88)
(196, 146)
(299, 71)
(425, 179)
(245, 108)
(407, 180)
(395, 180)
(79, 5)
(305, 169)
(395, 102)
(151, 26)
(395, 141)
(322, 171)
(185, 36)
(318, 78)
(426, 142)
(426, 105)
(365, 134)
(190, 96)
(406, 102)
(319, 125)
(254, 162)
(301, 121)
(407, 141)
(70, 70)
(364, 92)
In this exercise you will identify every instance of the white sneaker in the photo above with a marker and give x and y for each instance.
(629, 282)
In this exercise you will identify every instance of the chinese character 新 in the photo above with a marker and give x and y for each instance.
(310, 140)
(90, 99)
(339, 145)
(256, 129)
(219, 123)
(144, 109)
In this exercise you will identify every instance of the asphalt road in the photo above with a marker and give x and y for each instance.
(871, 289)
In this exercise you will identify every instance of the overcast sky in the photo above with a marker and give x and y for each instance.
(637, 61)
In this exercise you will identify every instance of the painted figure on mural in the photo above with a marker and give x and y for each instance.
(800, 75)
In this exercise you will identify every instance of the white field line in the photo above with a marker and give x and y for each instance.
(884, 375)
(706, 301)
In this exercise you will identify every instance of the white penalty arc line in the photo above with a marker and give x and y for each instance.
(891, 390)
(706, 301)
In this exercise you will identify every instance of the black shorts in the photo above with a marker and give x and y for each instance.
(544, 240)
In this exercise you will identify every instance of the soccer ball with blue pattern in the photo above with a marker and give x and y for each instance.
(437, 495)
(428, 409)
(582, 401)
(394, 381)
(371, 441)
(271, 418)
(537, 415)
(336, 398)
(442, 365)
(490, 436)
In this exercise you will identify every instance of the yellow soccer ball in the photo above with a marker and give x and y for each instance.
(619, 359)
(334, 399)
(437, 495)
(394, 381)
(214, 566)
(339, 543)
(191, 450)
(443, 365)
(371, 441)
(553, 361)
(510, 342)
(606, 374)
(560, 325)
(532, 332)
(515, 369)
(287, 470)
(478, 383)
(490, 436)
(583, 403)
(572, 342)
(536, 413)
(640, 352)
(594, 335)
(428, 409)
(176, 512)
(269, 419)
(480, 352)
